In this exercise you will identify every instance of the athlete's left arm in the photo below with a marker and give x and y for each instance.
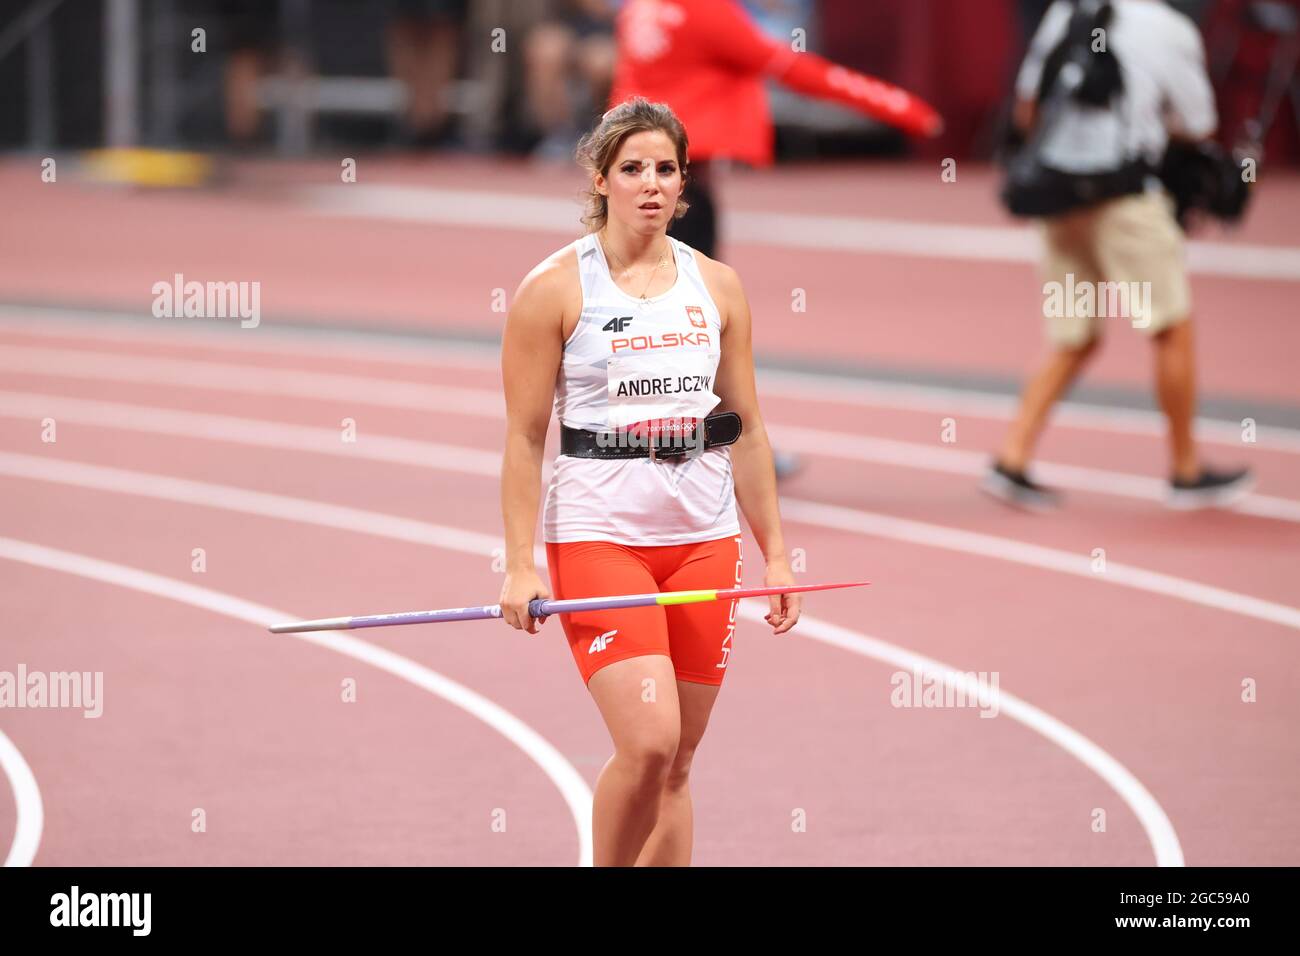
(751, 454)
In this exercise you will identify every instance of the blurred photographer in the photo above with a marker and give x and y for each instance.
(1103, 89)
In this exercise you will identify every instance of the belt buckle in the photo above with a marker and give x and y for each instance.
(672, 452)
(675, 449)
(653, 447)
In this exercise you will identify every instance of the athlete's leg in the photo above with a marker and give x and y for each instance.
(637, 697)
(700, 636)
(670, 842)
(624, 657)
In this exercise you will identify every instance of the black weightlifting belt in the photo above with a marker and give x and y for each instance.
(720, 429)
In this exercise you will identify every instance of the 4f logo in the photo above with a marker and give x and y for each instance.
(617, 324)
(696, 315)
(602, 642)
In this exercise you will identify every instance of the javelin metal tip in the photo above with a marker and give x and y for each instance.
(325, 624)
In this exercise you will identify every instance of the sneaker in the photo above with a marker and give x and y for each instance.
(787, 464)
(1210, 489)
(1015, 489)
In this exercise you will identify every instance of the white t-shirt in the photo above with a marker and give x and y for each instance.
(632, 360)
(1166, 88)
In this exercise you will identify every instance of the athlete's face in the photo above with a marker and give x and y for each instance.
(643, 182)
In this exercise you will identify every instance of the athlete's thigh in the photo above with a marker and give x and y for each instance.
(600, 638)
(637, 697)
(700, 635)
(695, 703)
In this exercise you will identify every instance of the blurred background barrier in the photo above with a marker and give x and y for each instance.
(526, 76)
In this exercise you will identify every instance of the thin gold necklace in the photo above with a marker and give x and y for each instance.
(624, 266)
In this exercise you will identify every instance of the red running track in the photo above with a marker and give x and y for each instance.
(1119, 692)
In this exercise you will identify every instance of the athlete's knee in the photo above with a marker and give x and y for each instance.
(679, 773)
(650, 756)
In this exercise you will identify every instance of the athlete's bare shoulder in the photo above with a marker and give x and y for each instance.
(554, 278)
(715, 272)
(723, 283)
(553, 289)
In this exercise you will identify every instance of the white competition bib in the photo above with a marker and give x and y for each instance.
(651, 388)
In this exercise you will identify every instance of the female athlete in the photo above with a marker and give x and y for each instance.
(709, 62)
(643, 345)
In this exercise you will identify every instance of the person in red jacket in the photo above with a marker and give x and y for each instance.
(708, 61)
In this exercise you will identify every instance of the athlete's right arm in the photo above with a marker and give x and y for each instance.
(531, 350)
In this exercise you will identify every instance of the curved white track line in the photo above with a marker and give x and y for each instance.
(1159, 829)
(801, 386)
(573, 788)
(1154, 821)
(485, 403)
(837, 518)
(30, 812)
(475, 461)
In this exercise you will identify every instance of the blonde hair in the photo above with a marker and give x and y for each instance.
(596, 151)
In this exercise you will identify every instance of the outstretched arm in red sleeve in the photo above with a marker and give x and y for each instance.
(737, 42)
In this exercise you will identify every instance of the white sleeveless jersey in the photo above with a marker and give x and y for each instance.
(631, 360)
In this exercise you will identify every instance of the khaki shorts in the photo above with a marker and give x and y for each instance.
(1119, 262)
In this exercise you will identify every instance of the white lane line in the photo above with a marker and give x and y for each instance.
(251, 431)
(958, 402)
(323, 341)
(927, 535)
(30, 812)
(485, 403)
(423, 354)
(1154, 821)
(893, 237)
(482, 403)
(253, 380)
(474, 461)
(264, 504)
(566, 778)
(944, 458)
(1159, 829)
(972, 243)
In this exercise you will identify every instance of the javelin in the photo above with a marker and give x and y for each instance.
(542, 608)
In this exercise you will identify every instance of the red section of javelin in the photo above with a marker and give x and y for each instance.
(763, 592)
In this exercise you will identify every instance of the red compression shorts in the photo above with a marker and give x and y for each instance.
(697, 637)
